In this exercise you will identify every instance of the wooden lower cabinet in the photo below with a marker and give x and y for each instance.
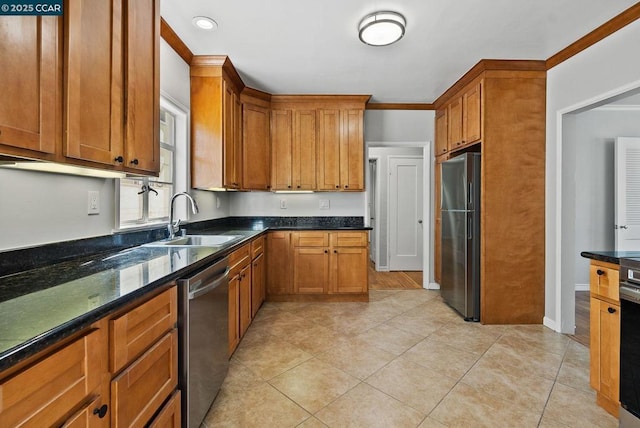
(245, 299)
(258, 277)
(234, 313)
(279, 269)
(604, 347)
(324, 265)
(52, 390)
(141, 389)
(169, 416)
(88, 416)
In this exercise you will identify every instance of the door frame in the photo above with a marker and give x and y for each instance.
(376, 206)
(427, 206)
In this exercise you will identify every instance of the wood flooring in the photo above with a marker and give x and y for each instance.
(582, 318)
(393, 280)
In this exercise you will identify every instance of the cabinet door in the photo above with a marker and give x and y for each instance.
(349, 272)
(454, 114)
(93, 62)
(245, 299)
(311, 270)
(50, 389)
(257, 284)
(234, 313)
(30, 83)
(142, 68)
(605, 348)
(442, 126)
(328, 160)
(170, 415)
(281, 149)
(139, 391)
(352, 151)
(256, 151)
(86, 418)
(604, 280)
(304, 150)
(229, 151)
(471, 111)
(237, 141)
(279, 270)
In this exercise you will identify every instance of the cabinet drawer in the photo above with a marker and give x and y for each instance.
(257, 247)
(604, 280)
(135, 331)
(169, 416)
(44, 393)
(239, 259)
(349, 239)
(139, 391)
(310, 239)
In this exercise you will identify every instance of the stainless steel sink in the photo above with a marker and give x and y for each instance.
(195, 241)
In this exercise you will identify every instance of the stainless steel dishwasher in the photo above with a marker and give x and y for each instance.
(203, 320)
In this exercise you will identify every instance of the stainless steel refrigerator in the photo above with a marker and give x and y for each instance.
(460, 280)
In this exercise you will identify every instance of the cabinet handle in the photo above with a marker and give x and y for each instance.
(101, 411)
(119, 159)
(611, 310)
(600, 272)
(135, 162)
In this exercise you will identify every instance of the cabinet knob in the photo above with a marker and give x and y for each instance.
(337, 186)
(600, 272)
(346, 186)
(101, 411)
(611, 310)
(298, 187)
(135, 162)
(326, 251)
(288, 187)
(335, 251)
(268, 187)
(119, 159)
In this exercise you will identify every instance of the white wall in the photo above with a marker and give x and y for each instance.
(341, 204)
(594, 179)
(399, 125)
(39, 208)
(605, 69)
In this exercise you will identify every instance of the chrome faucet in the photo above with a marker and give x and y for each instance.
(174, 227)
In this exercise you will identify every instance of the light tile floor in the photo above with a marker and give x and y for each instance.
(404, 359)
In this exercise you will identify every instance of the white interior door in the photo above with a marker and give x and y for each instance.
(627, 185)
(405, 213)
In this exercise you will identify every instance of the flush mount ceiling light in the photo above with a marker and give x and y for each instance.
(381, 28)
(204, 23)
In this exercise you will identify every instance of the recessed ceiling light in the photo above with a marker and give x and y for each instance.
(204, 23)
(382, 28)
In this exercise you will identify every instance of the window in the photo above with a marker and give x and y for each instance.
(147, 200)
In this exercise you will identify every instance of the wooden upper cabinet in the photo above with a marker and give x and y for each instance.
(93, 71)
(281, 149)
(472, 114)
(30, 85)
(231, 137)
(329, 136)
(352, 150)
(142, 78)
(216, 124)
(442, 125)
(304, 150)
(454, 115)
(256, 151)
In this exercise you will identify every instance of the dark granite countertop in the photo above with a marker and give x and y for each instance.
(609, 256)
(50, 292)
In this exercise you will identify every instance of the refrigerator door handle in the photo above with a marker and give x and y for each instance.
(470, 195)
(470, 226)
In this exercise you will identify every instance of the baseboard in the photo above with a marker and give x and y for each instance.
(382, 268)
(582, 287)
(433, 286)
(548, 322)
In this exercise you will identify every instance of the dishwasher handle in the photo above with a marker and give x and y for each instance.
(209, 285)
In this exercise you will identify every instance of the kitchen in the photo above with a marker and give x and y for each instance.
(36, 214)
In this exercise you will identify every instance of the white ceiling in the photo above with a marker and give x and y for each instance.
(312, 46)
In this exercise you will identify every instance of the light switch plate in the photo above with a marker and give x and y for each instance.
(283, 204)
(324, 204)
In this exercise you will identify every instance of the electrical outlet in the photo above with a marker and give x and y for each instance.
(93, 202)
(324, 204)
(283, 204)
(94, 301)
